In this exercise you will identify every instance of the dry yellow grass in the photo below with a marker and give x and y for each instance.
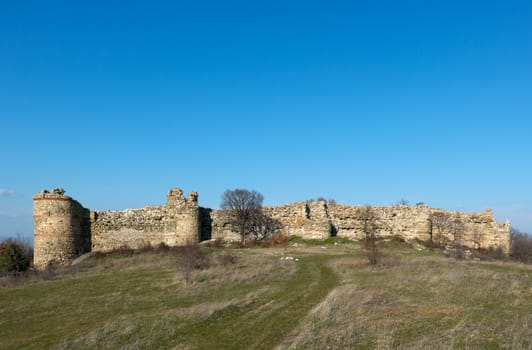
(421, 303)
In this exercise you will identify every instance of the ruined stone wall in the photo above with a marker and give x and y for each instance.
(61, 228)
(306, 219)
(317, 220)
(64, 229)
(309, 220)
(405, 221)
(173, 224)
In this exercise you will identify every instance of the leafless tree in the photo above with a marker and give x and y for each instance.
(457, 228)
(263, 226)
(369, 226)
(402, 202)
(477, 237)
(520, 246)
(447, 224)
(242, 208)
(190, 258)
(441, 222)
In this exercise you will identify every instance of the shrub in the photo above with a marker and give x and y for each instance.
(122, 250)
(15, 256)
(227, 258)
(372, 252)
(237, 244)
(496, 253)
(369, 219)
(459, 252)
(491, 254)
(277, 239)
(397, 239)
(434, 245)
(162, 248)
(146, 248)
(250, 243)
(218, 243)
(190, 257)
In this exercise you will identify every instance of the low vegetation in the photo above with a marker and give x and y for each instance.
(295, 295)
(520, 246)
(15, 256)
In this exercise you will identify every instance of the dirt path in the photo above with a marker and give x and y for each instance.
(267, 322)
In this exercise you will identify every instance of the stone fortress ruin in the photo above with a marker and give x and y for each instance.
(64, 229)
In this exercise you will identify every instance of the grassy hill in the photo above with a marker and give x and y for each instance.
(296, 297)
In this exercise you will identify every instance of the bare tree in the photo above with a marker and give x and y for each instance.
(520, 246)
(242, 208)
(457, 228)
(477, 237)
(263, 226)
(449, 228)
(189, 258)
(441, 222)
(369, 226)
(402, 202)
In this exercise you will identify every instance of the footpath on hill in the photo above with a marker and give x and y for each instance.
(266, 322)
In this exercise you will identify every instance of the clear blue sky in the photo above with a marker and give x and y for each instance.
(361, 101)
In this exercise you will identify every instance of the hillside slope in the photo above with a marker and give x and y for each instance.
(319, 297)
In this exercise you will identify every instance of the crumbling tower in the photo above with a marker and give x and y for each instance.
(185, 211)
(61, 228)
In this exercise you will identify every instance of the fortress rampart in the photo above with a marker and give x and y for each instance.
(65, 230)
(175, 223)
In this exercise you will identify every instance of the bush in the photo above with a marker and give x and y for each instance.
(496, 253)
(372, 252)
(277, 239)
(218, 243)
(397, 239)
(123, 250)
(433, 245)
(15, 256)
(237, 244)
(190, 257)
(146, 248)
(227, 258)
(162, 248)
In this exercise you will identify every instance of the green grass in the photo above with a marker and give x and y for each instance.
(329, 298)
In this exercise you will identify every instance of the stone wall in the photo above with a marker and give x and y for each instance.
(480, 230)
(405, 221)
(175, 223)
(64, 229)
(317, 220)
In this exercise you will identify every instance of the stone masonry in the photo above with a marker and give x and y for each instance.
(63, 229)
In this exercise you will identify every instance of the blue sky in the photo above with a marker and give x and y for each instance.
(361, 101)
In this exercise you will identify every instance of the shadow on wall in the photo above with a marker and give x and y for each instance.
(334, 230)
(205, 224)
(86, 237)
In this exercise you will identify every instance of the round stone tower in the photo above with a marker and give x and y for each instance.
(58, 229)
(185, 211)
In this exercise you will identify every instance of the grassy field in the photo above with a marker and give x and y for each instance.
(326, 297)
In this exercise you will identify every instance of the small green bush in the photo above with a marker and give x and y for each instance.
(15, 256)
